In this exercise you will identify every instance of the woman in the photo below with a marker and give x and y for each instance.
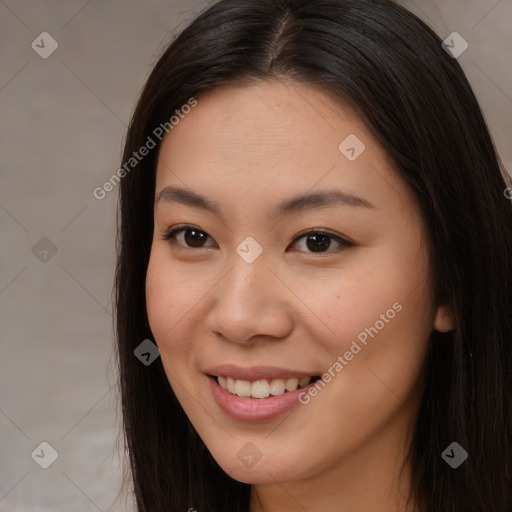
(316, 237)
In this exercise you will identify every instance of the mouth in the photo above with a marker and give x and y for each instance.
(262, 388)
(258, 393)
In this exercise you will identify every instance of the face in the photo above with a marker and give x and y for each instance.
(289, 264)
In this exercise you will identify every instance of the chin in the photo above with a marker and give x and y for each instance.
(266, 470)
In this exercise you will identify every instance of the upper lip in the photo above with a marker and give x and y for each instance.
(253, 373)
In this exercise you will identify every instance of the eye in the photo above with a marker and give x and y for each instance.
(188, 236)
(320, 242)
(313, 241)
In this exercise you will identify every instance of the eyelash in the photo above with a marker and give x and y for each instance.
(171, 237)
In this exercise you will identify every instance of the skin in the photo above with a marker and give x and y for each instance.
(249, 147)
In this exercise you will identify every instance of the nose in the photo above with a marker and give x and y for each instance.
(250, 303)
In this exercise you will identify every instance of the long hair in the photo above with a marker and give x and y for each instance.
(414, 97)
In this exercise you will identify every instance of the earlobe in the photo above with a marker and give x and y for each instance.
(443, 321)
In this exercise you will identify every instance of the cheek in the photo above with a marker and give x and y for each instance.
(170, 299)
(386, 298)
(170, 296)
(345, 307)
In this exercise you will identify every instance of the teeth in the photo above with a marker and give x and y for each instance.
(277, 386)
(243, 387)
(261, 388)
(230, 385)
(291, 384)
(304, 381)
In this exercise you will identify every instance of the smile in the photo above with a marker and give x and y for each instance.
(257, 394)
(262, 388)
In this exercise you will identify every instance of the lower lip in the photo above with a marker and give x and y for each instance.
(255, 409)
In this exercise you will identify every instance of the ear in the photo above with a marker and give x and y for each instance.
(443, 321)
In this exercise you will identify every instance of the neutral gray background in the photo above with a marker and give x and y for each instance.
(62, 125)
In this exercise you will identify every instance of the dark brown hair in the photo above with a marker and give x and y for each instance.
(416, 100)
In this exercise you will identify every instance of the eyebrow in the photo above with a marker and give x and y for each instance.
(295, 204)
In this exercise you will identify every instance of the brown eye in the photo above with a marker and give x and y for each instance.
(319, 242)
(189, 236)
(312, 241)
(194, 237)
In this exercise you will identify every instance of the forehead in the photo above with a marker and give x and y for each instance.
(267, 137)
(266, 113)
